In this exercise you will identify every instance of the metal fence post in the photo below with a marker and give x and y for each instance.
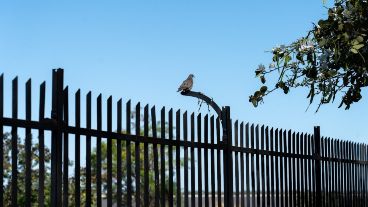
(228, 160)
(56, 136)
(317, 159)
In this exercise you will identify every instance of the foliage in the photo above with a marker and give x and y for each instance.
(330, 60)
(21, 173)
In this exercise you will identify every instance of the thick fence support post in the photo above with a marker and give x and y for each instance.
(317, 158)
(228, 167)
(56, 137)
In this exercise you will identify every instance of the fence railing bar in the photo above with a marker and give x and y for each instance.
(77, 151)
(109, 153)
(206, 194)
(88, 151)
(41, 147)
(282, 168)
(98, 154)
(199, 158)
(263, 178)
(163, 160)
(128, 155)
(258, 171)
(119, 174)
(247, 176)
(186, 180)
(252, 167)
(146, 159)
(178, 159)
(218, 164)
(155, 158)
(286, 167)
(268, 185)
(291, 175)
(28, 146)
(242, 200)
(213, 181)
(276, 198)
(137, 156)
(170, 155)
(305, 172)
(301, 188)
(192, 161)
(293, 170)
(236, 159)
(66, 150)
(2, 137)
(14, 145)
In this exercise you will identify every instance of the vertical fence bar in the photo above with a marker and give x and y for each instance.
(14, 144)
(213, 189)
(41, 147)
(206, 199)
(98, 153)
(293, 169)
(155, 158)
(242, 201)
(109, 153)
(199, 156)
(219, 189)
(317, 157)
(171, 172)
(146, 158)
(252, 167)
(128, 155)
(119, 170)
(137, 156)
(258, 172)
(66, 150)
(2, 138)
(228, 181)
(192, 160)
(56, 143)
(88, 151)
(282, 168)
(163, 160)
(247, 176)
(28, 147)
(286, 166)
(263, 167)
(236, 134)
(77, 150)
(296, 170)
(268, 202)
(186, 180)
(305, 173)
(276, 198)
(290, 178)
(301, 189)
(178, 178)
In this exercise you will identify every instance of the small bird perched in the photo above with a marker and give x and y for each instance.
(187, 84)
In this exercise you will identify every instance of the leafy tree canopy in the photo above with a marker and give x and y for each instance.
(330, 60)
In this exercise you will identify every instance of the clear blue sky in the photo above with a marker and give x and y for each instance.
(142, 50)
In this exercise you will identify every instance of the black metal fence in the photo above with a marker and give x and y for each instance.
(177, 159)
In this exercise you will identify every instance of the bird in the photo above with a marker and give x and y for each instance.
(187, 84)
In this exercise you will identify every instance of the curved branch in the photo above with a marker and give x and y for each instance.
(205, 98)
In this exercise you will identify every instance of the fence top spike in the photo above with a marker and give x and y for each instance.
(163, 109)
(66, 89)
(178, 112)
(185, 113)
(236, 122)
(252, 126)
(29, 81)
(43, 84)
(266, 128)
(15, 79)
(128, 102)
(146, 107)
(120, 101)
(78, 92)
(153, 108)
(271, 129)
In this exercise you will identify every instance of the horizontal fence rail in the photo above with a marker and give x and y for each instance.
(87, 154)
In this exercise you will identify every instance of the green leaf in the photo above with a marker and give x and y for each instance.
(353, 50)
(357, 47)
